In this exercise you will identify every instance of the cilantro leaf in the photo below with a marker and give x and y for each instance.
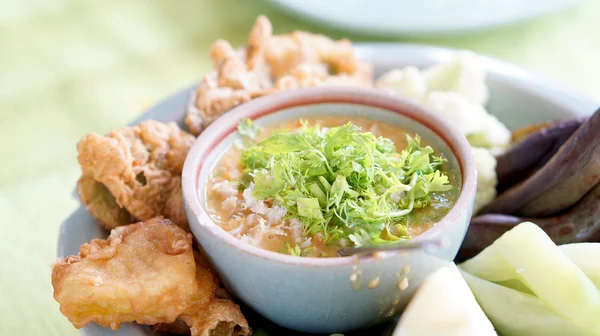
(293, 251)
(345, 183)
(246, 128)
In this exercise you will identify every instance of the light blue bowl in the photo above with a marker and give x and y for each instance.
(320, 295)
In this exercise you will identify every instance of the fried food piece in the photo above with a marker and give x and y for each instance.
(142, 272)
(270, 64)
(146, 273)
(134, 173)
(174, 208)
(213, 312)
(220, 318)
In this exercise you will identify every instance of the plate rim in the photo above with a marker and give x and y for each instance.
(526, 79)
(377, 29)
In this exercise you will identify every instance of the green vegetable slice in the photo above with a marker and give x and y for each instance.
(527, 254)
(514, 313)
(586, 256)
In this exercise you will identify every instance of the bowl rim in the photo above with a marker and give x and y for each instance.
(217, 131)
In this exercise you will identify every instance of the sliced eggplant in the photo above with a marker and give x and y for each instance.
(567, 176)
(580, 224)
(525, 132)
(534, 146)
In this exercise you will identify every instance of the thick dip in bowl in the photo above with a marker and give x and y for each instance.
(320, 292)
(312, 186)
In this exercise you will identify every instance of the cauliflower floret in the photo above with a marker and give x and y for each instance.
(461, 75)
(481, 128)
(408, 82)
(486, 178)
(464, 115)
(497, 135)
(457, 90)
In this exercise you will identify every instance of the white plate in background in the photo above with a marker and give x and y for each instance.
(420, 17)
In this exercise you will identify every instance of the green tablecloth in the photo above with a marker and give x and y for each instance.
(71, 67)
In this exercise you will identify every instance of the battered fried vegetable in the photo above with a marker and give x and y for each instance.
(143, 272)
(270, 64)
(213, 313)
(134, 173)
(220, 318)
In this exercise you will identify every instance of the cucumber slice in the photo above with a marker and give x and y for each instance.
(527, 254)
(514, 313)
(587, 257)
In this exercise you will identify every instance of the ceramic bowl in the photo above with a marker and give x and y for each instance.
(321, 295)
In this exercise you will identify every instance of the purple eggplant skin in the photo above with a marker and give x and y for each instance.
(561, 182)
(580, 224)
(533, 151)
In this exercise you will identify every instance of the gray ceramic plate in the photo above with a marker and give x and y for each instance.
(517, 98)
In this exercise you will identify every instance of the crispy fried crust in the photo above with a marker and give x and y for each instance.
(146, 273)
(101, 203)
(174, 209)
(213, 312)
(271, 64)
(220, 318)
(134, 173)
(143, 272)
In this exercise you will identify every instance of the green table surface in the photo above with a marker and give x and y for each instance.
(72, 67)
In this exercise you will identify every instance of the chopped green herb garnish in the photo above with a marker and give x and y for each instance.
(343, 183)
(246, 128)
(296, 251)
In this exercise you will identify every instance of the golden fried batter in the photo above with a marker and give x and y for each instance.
(220, 318)
(270, 64)
(143, 272)
(174, 208)
(134, 173)
(146, 273)
(213, 312)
